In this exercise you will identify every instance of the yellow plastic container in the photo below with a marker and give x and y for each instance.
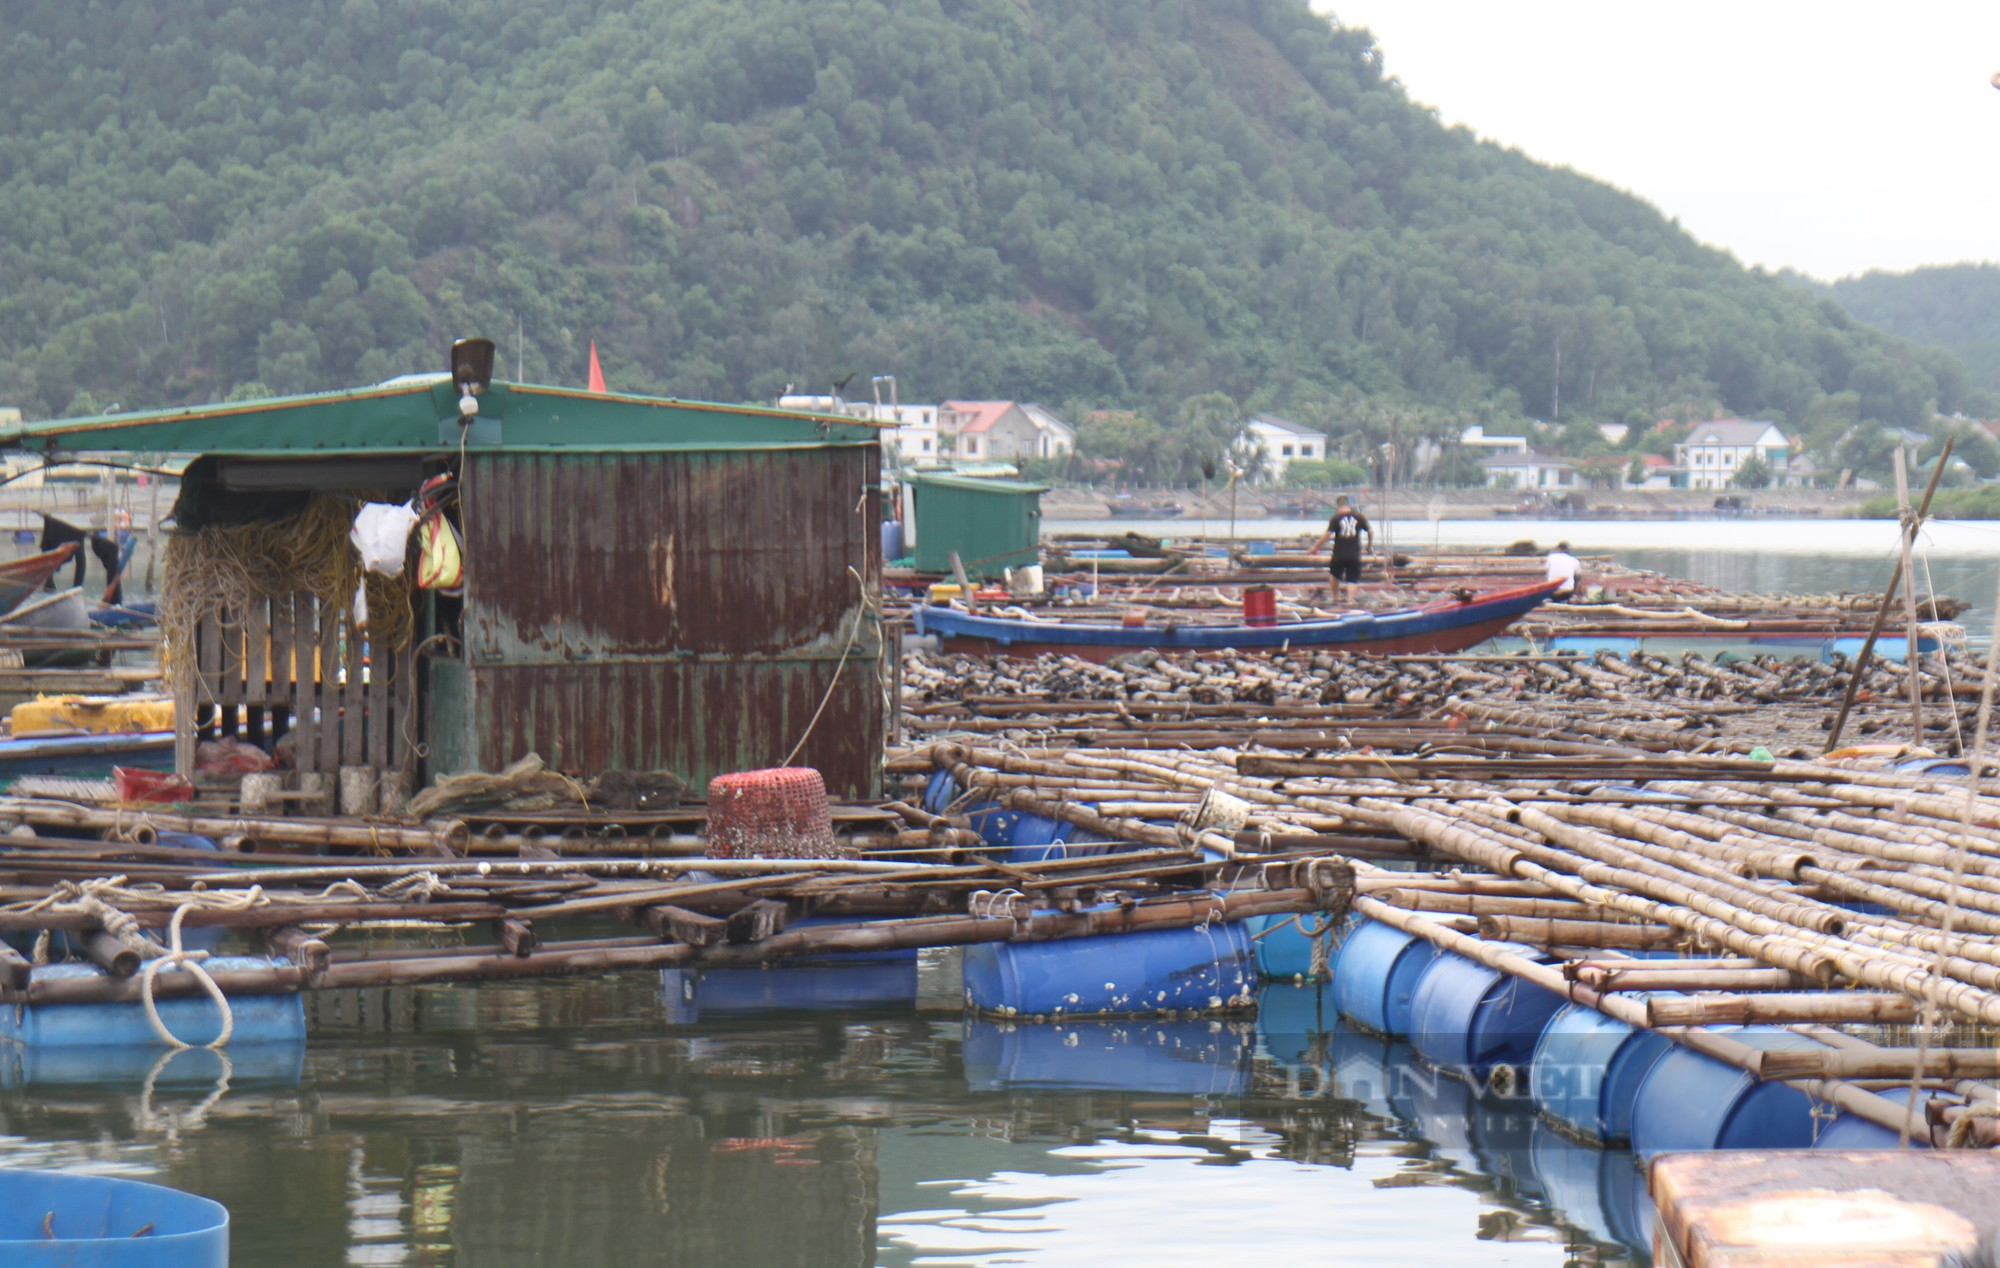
(946, 591)
(91, 715)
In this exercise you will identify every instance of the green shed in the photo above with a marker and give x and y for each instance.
(992, 524)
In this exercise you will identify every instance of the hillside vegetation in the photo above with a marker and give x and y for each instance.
(1955, 306)
(1089, 203)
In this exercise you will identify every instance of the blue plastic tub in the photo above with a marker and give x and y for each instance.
(1847, 1131)
(52, 1220)
(193, 1019)
(1131, 974)
(1375, 975)
(1467, 1018)
(1178, 1056)
(1691, 1101)
(1587, 1070)
(692, 994)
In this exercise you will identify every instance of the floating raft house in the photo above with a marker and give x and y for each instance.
(649, 584)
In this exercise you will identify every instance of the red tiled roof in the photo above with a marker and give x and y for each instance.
(983, 414)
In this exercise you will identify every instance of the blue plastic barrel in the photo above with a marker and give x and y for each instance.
(1691, 1101)
(1587, 1070)
(193, 1019)
(1600, 1191)
(1261, 548)
(243, 1064)
(1290, 1016)
(693, 994)
(1284, 952)
(1485, 1132)
(1368, 1068)
(1169, 1055)
(1375, 975)
(939, 792)
(1467, 1018)
(52, 1220)
(1159, 970)
(1036, 838)
(1849, 1131)
(892, 540)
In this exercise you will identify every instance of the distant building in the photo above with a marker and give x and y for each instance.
(915, 432)
(989, 431)
(1055, 437)
(1529, 470)
(1660, 473)
(1475, 438)
(1282, 441)
(1713, 451)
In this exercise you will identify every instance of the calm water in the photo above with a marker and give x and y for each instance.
(614, 1122)
(1957, 558)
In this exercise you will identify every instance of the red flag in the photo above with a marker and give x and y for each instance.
(596, 370)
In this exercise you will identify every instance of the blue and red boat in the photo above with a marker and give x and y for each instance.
(1448, 624)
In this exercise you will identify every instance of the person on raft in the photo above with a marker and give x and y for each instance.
(1563, 567)
(1346, 529)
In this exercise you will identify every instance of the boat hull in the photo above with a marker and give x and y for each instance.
(1445, 626)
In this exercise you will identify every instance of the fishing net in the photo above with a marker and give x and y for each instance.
(224, 569)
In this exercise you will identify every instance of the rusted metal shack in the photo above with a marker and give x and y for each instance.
(649, 584)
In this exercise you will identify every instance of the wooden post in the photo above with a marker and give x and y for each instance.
(1911, 660)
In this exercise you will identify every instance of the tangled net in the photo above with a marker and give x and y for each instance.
(223, 570)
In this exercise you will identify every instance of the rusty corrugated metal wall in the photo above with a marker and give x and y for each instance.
(684, 611)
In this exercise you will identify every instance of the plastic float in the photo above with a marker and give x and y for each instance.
(1375, 975)
(1692, 1101)
(193, 1020)
(691, 995)
(1600, 1191)
(1467, 1019)
(1172, 1055)
(1204, 969)
(55, 1220)
(1587, 1070)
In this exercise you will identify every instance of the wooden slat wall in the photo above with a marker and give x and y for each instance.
(288, 667)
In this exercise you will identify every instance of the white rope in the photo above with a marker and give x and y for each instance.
(191, 961)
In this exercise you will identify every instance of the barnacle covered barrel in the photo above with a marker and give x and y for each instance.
(770, 814)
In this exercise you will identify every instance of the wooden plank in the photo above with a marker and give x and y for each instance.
(403, 718)
(257, 652)
(281, 665)
(329, 694)
(208, 660)
(305, 728)
(352, 695)
(382, 663)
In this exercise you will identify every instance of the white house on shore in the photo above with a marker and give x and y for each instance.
(1529, 470)
(1054, 436)
(1282, 442)
(1714, 451)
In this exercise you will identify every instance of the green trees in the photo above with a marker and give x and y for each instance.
(1100, 206)
(1752, 473)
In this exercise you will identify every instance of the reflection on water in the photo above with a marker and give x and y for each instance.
(582, 1122)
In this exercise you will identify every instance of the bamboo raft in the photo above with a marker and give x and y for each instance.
(1852, 902)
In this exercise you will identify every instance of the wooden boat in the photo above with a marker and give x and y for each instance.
(1144, 510)
(1447, 624)
(21, 577)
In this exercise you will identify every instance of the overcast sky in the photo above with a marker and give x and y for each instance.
(1830, 136)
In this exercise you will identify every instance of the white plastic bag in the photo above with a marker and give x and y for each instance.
(381, 533)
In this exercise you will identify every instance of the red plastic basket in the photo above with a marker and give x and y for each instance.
(770, 814)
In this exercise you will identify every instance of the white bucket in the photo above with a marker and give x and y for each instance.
(1025, 583)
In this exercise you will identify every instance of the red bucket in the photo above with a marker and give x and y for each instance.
(1260, 605)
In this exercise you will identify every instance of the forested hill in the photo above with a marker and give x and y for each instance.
(1078, 201)
(1955, 306)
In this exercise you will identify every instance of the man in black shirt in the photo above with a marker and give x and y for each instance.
(1346, 529)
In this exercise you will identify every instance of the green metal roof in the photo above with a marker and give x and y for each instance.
(422, 417)
(976, 484)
